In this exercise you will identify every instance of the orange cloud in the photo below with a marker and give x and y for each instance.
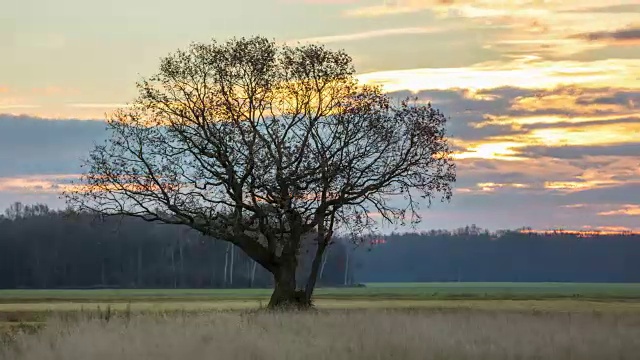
(628, 210)
(588, 231)
(578, 101)
(578, 185)
(493, 150)
(491, 187)
(37, 183)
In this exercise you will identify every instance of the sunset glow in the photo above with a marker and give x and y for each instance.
(542, 97)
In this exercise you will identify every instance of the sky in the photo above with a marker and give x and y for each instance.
(543, 96)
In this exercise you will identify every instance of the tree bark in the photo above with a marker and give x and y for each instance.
(285, 295)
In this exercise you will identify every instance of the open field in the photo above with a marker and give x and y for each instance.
(28, 308)
(399, 291)
(408, 321)
(370, 334)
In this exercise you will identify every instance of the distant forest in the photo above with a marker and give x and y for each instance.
(42, 248)
(471, 254)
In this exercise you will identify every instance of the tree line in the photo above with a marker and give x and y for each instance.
(44, 248)
(475, 255)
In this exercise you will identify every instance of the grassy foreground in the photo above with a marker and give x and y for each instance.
(385, 321)
(370, 334)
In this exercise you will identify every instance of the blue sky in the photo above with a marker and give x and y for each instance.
(543, 96)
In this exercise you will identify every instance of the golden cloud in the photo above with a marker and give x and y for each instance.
(529, 72)
(518, 121)
(577, 100)
(491, 187)
(578, 185)
(490, 150)
(49, 183)
(628, 210)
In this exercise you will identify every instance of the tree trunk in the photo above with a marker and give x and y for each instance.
(285, 295)
(315, 268)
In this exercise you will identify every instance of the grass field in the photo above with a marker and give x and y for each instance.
(462, 309)
(18, 307)
(396, 291)
(337, 334)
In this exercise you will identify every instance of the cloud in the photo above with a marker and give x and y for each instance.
(621, 194)
(11, 102)
(30, 145)
(526, 72)
(608, 9)
(549, 175)
(516, 124)
(41, 184)
(523, 153)
(369, 35)
(626, 210)
(510, 207)
(533, 27)
(577, 152)
(576, 101)
(628, 36)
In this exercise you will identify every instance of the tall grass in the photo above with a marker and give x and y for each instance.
(354, 334)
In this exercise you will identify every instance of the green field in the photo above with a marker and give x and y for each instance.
(487, 296)
(372, 291)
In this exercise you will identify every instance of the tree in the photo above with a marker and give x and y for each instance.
(265, 145)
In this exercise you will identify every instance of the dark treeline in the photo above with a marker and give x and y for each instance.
(472, 254)
(41, 248)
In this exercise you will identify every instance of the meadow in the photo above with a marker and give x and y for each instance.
(405, 320)
(400, 291)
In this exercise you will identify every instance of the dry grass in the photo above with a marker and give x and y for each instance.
(347, 334)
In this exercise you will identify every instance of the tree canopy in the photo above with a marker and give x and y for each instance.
(265, 145)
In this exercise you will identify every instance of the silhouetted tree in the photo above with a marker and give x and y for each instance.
(262, 146)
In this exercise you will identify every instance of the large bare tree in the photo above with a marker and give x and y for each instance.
(264, 145)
